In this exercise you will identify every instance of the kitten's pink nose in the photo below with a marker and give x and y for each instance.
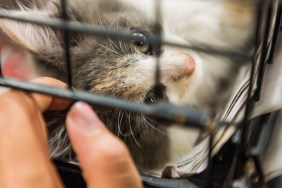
(190, 65)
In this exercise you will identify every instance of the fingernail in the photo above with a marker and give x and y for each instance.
(82, 116)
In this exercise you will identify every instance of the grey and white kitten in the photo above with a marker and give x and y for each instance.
(126, 69)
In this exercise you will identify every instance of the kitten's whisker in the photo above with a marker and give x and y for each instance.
(109, 39)
(112, 23)
(118, 19)
(135, 140)
(153, 127)
(137, 143)
(108, 49)
(125, 47)
(129, 47)
(119, 15)
(120, 46)
(119, 127)
(99, 16)
(113, 45)
(118, 123)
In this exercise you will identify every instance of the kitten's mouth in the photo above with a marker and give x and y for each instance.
(156, 94)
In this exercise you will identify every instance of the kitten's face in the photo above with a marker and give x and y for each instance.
(188, 77)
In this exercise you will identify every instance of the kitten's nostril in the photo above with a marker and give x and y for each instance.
(190, 64)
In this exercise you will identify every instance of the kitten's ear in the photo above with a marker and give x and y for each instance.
(34, 38)
(38, 39)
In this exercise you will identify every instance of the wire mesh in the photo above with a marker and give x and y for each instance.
(166, 112)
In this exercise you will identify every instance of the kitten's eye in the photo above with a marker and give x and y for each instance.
(142, 44)
(150, 97)
(153, 96)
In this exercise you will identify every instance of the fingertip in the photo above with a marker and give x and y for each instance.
(82, 123)
(83, 117)
(102, 155)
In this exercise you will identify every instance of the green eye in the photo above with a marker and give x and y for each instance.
(150, 97)
(141, 43)
(156, 94)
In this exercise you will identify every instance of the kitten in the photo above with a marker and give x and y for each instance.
(126, 69)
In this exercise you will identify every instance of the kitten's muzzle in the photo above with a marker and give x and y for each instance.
(181, 69)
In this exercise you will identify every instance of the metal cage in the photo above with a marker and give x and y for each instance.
(240, 154)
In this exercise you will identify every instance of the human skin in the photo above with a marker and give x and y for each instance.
(24, 160)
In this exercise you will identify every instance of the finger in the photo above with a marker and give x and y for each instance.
(104, 159)
(24, 160)
(47, 102)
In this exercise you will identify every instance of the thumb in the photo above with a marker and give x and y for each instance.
(104, 159)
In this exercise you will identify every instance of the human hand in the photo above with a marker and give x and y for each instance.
(24, 159)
